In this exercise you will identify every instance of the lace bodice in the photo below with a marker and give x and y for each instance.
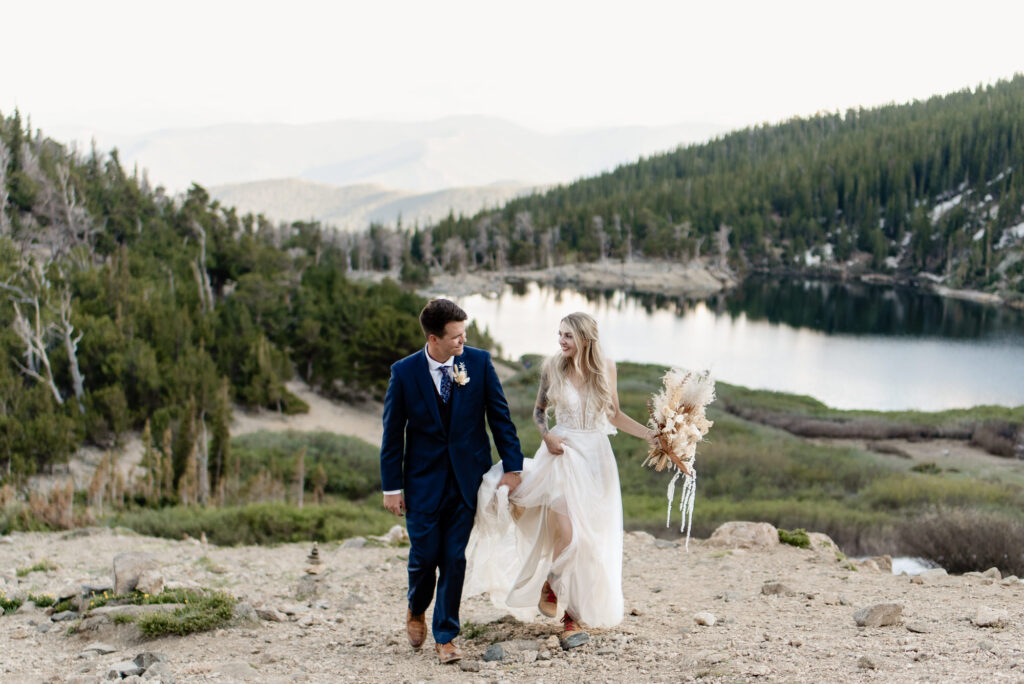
(573, 412)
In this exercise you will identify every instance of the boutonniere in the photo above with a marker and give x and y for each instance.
(459, 374)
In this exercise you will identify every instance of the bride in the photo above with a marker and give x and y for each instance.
(556, 541)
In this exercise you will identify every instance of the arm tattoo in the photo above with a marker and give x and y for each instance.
(540, 414)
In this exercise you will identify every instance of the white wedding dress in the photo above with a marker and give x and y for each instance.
(514, 537)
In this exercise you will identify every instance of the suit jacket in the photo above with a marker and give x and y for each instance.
(417, 451)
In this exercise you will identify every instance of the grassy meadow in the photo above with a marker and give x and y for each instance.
(868, 502)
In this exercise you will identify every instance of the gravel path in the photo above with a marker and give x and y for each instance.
(352, 627)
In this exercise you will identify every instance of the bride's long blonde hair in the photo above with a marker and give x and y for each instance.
(588, 362)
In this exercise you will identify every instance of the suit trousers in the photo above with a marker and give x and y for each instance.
(437, 554)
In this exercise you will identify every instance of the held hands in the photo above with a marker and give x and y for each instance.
(553, 443)
(395, 503)
(510, 480)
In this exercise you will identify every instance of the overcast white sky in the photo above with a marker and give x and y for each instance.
(133, 66)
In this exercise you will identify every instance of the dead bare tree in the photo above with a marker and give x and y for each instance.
(202, 450)
(33, 331)
(74, 216)
(199, 268)
(66, 330)
(5, 159)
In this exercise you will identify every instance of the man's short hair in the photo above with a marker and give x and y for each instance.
(438, 314)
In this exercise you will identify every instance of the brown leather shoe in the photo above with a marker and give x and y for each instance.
(447, 653)
(548, 604)
(416, 628)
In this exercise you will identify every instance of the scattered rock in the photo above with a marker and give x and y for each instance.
(552, 642)
(6, 539)
(125, 668)
(469, 665)
(930, 576)
(94, 587)
(705, 618)
(100, 648)
(150, 582)
(993, 573)
(884, 563)
(821, 542)
(354, 543)
(161, 671)
(148, 659)
(665, 544)
(759, 670)
(574, 640)
(867, 663)
(68, 591)
(1008, 581)
(776, 589)
(64, 616)
(271, 615)
(986, 645)
(128, 568)
(879, 615)
(745, 535)
(918, 628)
(991, 617)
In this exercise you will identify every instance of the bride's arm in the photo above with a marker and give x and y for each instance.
(618, 418)
(540, 416)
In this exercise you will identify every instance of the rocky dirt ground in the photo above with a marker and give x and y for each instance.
(779, 613)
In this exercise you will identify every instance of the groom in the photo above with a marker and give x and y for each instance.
(435, 447)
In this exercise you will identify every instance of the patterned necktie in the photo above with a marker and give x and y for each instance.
(446, 384)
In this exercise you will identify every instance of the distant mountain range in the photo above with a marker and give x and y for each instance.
(477, 161)
(353, 207)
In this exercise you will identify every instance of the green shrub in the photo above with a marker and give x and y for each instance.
(263, 523)
(797, 537)
(352, 466)
(200, 613)
(9, 605)
(42, 566)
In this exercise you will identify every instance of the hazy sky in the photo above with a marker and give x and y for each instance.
(134, 66)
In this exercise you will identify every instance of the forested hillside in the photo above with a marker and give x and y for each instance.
(930, 187)
(121, 306)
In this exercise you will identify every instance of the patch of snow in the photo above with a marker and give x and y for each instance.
(892, 262)
(942, 208)
(980, 234)
(988, 198)
(811, 259)
(906, 239)
(931, 276)
(1001, 176)
(1011, 235)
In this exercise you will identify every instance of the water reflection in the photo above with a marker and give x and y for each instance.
(851, 346)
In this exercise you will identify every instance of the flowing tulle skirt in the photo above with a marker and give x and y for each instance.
(511, 549)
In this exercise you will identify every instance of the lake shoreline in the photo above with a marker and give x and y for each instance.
(696, 279)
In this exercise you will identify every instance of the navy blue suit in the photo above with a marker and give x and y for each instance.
(438, 453)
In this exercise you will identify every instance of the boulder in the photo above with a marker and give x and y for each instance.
(129, 567)
(879, 615)
(150, 582)
(705, 618)
(991, 617)
(745, 535)
(993, 573)
(68, 591)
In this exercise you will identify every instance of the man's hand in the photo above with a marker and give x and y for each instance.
(510, 480)
(395, 503)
